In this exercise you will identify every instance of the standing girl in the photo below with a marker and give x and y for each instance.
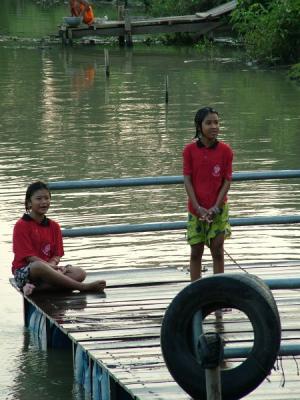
(38, 248)
(207, 170)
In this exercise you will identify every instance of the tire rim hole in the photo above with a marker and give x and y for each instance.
(235, 330)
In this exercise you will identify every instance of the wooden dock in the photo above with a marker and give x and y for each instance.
(127, 27)
(116, 337)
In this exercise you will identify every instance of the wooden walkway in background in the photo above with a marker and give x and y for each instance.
(121, 330)
(127, 27)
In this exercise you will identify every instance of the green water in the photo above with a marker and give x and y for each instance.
(62, 119)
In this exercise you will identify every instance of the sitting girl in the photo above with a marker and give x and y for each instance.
(38, 248)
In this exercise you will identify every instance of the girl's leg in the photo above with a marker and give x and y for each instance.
(196, 260)
(43, 271)
(217, 252)
(76, 273)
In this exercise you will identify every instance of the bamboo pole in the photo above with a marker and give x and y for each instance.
(213, 383)
(167, 89)
(106, 62)
(210, 353)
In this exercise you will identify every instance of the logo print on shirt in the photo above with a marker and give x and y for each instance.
(216, 170)
(46, 250)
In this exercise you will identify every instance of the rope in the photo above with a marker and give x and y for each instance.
(282, 383)
(297, 366)
(235, 262)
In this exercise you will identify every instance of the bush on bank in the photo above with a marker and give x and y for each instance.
(269, 30)
(294, 72)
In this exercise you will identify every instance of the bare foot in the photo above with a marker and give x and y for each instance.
(28, 288)
(96, 286)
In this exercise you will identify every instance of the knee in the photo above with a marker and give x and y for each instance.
(77, 273)
(196, 253)
(217, 252)
(82, 275)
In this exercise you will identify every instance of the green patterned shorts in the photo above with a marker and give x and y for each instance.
(202, 232)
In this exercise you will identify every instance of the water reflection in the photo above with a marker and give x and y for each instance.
(83, 79)
(43, 374)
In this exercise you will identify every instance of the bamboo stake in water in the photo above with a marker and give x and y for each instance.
(167, 89)
(106, 61)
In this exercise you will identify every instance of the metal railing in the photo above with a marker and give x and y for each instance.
(166, 180)
(169, 180)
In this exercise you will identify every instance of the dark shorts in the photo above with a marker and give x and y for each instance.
(22, 276)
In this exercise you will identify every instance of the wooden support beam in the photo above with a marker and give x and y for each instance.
(127, 29)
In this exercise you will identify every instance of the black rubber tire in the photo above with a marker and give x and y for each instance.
(245, 292)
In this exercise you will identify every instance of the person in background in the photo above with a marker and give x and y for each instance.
(207, 170)
(82, 8)
(38, 248)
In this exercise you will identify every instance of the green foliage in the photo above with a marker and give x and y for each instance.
(180, 7)
(206, 47)
(270, 30)
(295, 72)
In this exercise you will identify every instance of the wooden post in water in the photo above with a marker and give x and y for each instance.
(106, 62)
(197, 331)
(121, 13)
(127, 27)
(70, 36)
(210, 353)
(213, 383)
(167, 90)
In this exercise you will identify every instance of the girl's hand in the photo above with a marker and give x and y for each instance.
(202, 213)
(212, 212)
(54, 261)
(61, 269)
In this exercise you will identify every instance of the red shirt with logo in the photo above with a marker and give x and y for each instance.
(207, 167)
(30, 238)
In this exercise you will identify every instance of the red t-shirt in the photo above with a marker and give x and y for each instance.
(207, 167)
(30, 238)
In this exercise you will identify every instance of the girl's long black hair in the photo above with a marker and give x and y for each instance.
(199, 117)
(34, 187)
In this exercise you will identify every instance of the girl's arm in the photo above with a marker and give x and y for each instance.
(53, 262)
(86, 7)
(34, 258)
(201, 211)
(222, 193)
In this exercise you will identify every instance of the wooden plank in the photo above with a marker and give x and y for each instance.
(116, 333)
(218, 11)
(122, 344)
(139, 277)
